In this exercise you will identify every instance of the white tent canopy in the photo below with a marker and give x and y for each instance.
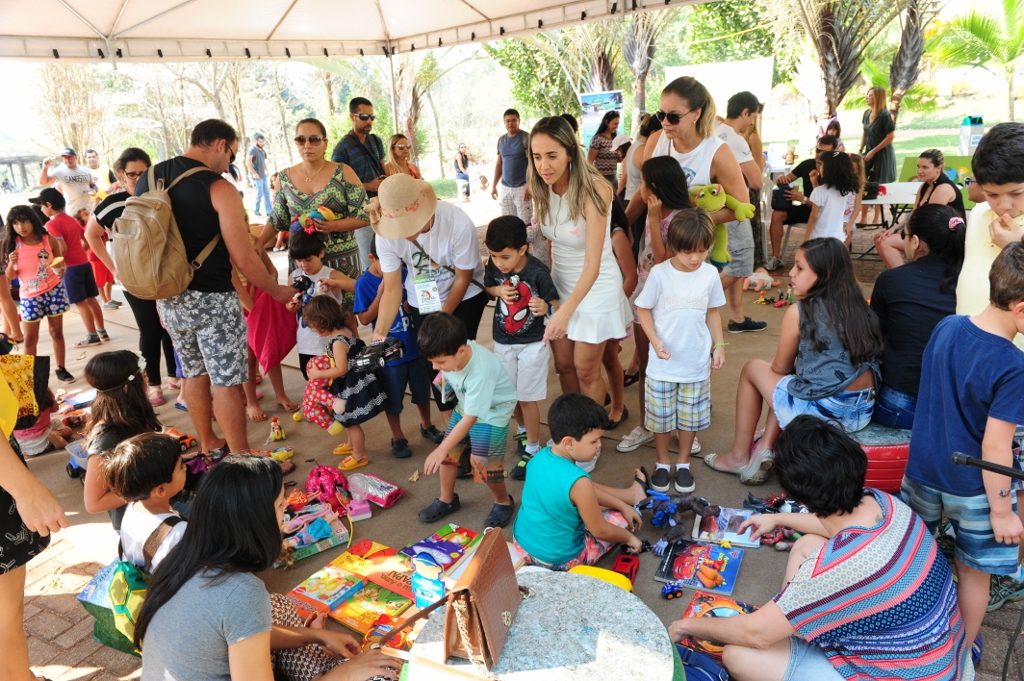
(175, 30)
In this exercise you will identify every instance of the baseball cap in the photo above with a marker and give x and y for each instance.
(49, 195)
(620, 140)
(258, 136)
(68, 151)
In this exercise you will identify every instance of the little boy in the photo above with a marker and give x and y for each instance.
(408, 370)
(78, 278)
(307, 250)
(678, 310)
(486, 400)
(524, 293)
(567, 519)
(972, 380)
(147, 471)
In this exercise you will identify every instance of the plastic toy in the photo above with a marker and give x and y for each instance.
(760, 280)
(671, 591)
(359, 509)
(276, 430)
(307, 222)
(329, 485)
(668, 509)
(711, 198)
(761, 299)
(317, 400)
(297, 417)
(627, 564)
(375, 356)
(282, 454)
(186, 440)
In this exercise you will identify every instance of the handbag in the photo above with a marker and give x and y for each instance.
(480, 608)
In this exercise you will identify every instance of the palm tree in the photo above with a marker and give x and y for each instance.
(906, 63)
(985, 41)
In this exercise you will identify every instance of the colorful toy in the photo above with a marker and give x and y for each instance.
(671, 591)
(712, 198)
(276, 430)
(282, 454)
(186, 440)
(761, 298)
(376, 489)
(297, 417)
(329, 485)
(627, 564)
(785, 298)
(667, 509)
(306, 222)
(317, 400)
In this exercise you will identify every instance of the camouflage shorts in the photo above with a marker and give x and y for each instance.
(208, 332)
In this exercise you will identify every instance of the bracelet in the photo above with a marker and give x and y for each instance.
(719, 344)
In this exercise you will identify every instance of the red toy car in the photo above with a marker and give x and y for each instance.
(186, 440)
(627, 564)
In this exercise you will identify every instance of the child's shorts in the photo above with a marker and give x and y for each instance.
(593, 548)
(80, 283)
(53, 303)
(527, 365)
(976, 546)
(850, 410)
(677, 406)
(395, 378)
(487, 442)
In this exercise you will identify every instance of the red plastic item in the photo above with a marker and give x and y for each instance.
(628, 565)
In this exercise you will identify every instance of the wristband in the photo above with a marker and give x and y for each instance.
(719, 344)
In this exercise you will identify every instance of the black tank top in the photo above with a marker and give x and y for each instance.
(928, 188)
(197, 221)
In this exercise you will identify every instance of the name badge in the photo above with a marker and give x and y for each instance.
(428, 297)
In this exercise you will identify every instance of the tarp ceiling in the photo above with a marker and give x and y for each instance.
(175, 30)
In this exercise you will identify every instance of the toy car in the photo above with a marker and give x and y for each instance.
(187, 441)
(628, 565)
(671, 590)
(375, 356)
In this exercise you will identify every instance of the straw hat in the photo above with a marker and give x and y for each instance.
(402, 207)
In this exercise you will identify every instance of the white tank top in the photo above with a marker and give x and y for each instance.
(632, 173)
(696, 164)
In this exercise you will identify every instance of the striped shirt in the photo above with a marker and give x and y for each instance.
(880, 602)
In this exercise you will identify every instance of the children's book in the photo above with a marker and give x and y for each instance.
(712, 605)
(379, 564)
(700, 566)
(725, 527)
(447, 546)
(454, 573)
(326, 589)
(360, 612)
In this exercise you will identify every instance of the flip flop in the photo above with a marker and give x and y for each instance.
(350, 463)
(181, 406)
(646, 482)
(710, 459)
(630, 379)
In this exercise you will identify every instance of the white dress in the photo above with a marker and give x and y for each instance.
(604, 313)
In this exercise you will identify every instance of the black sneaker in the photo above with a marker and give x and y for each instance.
(64, 375)
(439, 509)
(746, 325)
(661, 480)
(501, 514)
(432, 433)
(519, 471)
(400, 449)
(521, 443)
(684, 480)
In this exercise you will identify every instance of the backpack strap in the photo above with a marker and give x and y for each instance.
(156, 538)
(187, 173)
(198, 261)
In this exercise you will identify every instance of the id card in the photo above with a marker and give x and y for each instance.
(428, 297)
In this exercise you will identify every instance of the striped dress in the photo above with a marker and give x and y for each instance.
(880, 602)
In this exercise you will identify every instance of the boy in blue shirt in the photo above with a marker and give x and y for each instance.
(523, 292)
(486, 400)
(408, 370)
(970, 400)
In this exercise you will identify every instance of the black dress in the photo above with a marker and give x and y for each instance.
(18, 545)
(364, 397)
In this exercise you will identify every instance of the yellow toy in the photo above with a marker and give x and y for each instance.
(712, 198)
(297, 417)
(276, 430)
(282, 454)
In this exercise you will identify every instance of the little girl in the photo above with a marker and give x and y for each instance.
(120, 410)
(826, 364)
(27, 252)
(663, 189)
(834, 198)
(358, 396)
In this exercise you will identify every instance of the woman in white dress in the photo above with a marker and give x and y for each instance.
(572, 204)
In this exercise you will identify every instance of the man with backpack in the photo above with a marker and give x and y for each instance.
(205, 320)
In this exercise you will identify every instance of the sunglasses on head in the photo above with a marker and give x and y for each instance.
(365, 117)
(312, 139)
(403, 147)
(672, 118)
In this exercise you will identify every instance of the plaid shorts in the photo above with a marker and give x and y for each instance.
(677, 406)
(593, 548)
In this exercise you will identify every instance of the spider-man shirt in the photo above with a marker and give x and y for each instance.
(513, 322)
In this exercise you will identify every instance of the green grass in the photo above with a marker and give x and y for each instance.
(929, 121)
(445, 189)
(904, 147)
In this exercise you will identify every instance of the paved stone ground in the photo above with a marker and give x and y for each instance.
(61, 647)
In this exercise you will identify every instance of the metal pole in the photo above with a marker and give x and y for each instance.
(394, 94)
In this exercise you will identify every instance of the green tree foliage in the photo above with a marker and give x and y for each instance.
(539, 84)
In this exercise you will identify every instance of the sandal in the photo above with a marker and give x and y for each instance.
(759, 467)
(615, 423)
(710, 459)
(630, 379)
(344, 449)
(351, 463)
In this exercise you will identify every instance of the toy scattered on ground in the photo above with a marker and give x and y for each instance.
(330, 486)
(306, 222)
(317, 400)
(282, 454)
(627, 564)
(712, 198)
(774, 503)
(700, 566)
(760, 280)
(374, 357)
(671, 591)
(785, 298)
(374, 488)
(297, 417)
(276, 430)
(187, 441)
(667, 509)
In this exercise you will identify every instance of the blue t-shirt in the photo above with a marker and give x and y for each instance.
(549, 525)
(513, 151)
(402, 329)
(967, 376)
(483, 388)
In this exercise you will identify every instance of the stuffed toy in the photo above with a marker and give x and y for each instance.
(317, 401)
(306, 222)
(712, 198)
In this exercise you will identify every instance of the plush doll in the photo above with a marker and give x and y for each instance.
(317, 401)
(712, 198)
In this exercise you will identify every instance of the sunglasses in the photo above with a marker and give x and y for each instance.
(233, 155)
(312, 139)
(672, 118)
(365, 117)
(135, 174)
(403, 147)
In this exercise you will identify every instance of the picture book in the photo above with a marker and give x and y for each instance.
(361, 611)
(700, 566)
(452, 575)
(725, 527)
(379, 564)
(447, 546)
(326, 589)
(711, 605)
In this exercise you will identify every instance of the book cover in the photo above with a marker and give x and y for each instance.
(452, 574)
(327, 588)
(712, 605)
(447, 545)
(360, 612)
(700, 566)
(379, 564)
(724, 527)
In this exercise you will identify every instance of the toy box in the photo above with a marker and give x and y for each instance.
(711, 605)
(700, 566)
(326, 589)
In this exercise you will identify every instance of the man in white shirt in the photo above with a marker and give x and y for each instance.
(74, 182)
(102, 178)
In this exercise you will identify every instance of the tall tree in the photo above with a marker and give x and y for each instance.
(539, 84)
(906, 63)
(68, 105)
(638, 52)
(992, 43)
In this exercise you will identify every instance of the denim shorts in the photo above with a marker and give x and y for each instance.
(808, 662)
(395, 378)
(850, 410)
(894, 409)
(741, 249)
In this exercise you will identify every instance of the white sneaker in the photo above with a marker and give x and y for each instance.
(695, 447)
(634, 439)
(773, 263)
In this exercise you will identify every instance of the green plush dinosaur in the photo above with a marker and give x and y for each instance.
(711, 198)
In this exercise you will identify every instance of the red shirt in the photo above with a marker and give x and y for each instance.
(63, 226)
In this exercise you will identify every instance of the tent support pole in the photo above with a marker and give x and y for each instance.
(394, 93)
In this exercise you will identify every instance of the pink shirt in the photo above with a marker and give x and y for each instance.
(34, 271)
(63, 226)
